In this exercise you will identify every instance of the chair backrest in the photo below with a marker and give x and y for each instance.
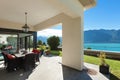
(30, 59)
(10, 63)
(7, 56)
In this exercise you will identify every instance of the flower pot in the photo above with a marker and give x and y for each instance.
(104, 69)
(47, 52)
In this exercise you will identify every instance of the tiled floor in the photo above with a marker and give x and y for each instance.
(50, 68)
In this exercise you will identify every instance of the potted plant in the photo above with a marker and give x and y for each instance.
(104, 67)
(47, 51)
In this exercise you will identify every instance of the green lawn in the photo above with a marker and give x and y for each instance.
(114, 66)
(56, 52)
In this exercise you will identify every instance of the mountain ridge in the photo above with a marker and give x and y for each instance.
(102, 36)
(95, 36)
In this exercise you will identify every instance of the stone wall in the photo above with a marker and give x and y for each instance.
(111, 55)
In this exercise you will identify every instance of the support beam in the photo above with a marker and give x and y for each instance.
(35, 40)
(72, 33)
(26, 44)
(18, 43)
(52, 21)
(73, 43)
(72, 8)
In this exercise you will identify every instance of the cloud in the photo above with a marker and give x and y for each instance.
(50, 32)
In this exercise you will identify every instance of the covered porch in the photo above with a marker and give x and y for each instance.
(51, 68)
(46, 13)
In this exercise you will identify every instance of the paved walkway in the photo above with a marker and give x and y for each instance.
(50, 68)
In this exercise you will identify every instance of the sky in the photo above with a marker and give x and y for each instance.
(50, 32)
(55, 30)
(105, 15)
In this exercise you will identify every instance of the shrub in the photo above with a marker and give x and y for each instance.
(56, 52)
(39, 42)
(89, 48)
(53, 42)
(102, 58)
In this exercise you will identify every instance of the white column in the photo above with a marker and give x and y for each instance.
(72, 48)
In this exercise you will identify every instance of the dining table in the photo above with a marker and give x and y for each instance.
(18, 55)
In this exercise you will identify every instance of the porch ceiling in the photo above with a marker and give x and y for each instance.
(38, 10)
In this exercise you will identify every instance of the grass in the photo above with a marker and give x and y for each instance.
(56, 52)
(114, 65)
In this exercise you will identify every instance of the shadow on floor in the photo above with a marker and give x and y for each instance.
(50, 55)
(15, 75)
(72, 74)
(113, 77)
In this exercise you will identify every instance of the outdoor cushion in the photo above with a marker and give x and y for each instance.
(10, 56)
(36, 51)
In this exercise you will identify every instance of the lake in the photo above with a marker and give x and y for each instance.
(103, 46)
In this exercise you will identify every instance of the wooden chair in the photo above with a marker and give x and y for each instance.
(37, 54)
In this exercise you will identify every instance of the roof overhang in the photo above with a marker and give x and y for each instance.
(88, 3)
(12, 12)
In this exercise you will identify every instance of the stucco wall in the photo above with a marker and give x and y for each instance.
(72, 36)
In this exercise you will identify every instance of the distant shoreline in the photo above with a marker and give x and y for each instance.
(112, 47)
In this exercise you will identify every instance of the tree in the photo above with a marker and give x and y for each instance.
(39, 42)
(44, 43)
(53, 42)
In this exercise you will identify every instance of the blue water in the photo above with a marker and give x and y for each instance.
(103, 46)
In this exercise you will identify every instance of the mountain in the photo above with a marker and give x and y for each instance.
(102, 36)
(95, 36)
(42, 38)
